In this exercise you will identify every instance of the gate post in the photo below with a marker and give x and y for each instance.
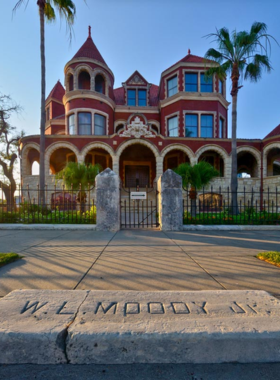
(107, 201)
(170, 201)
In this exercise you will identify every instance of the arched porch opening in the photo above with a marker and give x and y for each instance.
(33, 162)
(174, 158)
(99, 156)
(214, 159)
(273, 162)
(137, 166)
(247, 165)
(60, 158)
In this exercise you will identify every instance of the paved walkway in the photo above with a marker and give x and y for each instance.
(139, 260)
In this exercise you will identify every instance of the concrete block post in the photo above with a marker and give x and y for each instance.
(107, 201)
(170, 201)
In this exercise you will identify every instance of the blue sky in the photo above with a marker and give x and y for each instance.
(146, 35)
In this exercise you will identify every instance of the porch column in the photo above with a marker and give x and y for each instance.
(159, 167)
(116, 167)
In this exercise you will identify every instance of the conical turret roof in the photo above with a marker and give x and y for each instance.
(89, 50)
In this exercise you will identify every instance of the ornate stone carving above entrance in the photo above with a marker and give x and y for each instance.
(137, 129)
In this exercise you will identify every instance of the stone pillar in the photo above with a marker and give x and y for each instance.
(107, 201)
(170, 201)
(115, 162)
(159, 167)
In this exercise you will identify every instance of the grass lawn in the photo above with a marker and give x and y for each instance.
(270, 257)
(6, 258)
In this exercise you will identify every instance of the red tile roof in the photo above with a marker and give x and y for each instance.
(154, 95)
(57, 92)
(89, 50)
(119, 96)
(190, 58)
(274, 132)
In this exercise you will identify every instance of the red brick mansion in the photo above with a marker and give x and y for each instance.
(141, 129)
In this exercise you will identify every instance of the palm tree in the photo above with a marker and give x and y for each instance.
(241, 54)
(79, 177)
(196, 177)
(47, 8)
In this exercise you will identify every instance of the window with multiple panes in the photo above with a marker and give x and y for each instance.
(142, 98)
(84, 123)
(206, 83)
(99, 125)
(172, 125)
(221, 128)
(71, 124)
(206, 126)
(191, 125)
(131, 97)
(172, 86)
(191, 83)
(221, 84)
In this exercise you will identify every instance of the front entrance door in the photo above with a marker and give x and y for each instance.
(137, 176)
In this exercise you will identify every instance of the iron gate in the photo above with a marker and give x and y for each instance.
(139, 213)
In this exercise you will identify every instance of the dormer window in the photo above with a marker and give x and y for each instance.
(131, 97)
(191, 82)
(206, 83)
(137, 97)
(172, 87)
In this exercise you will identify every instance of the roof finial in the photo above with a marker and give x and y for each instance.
(189, 51)
(89, 31)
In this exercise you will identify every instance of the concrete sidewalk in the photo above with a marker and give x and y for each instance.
(139, 260)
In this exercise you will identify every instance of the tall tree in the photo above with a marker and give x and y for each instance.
(47, 12)
(241, 55)
(9, 142)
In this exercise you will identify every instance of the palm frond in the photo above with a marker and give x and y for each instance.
(78, 176)
(198, 175)
(254, 69)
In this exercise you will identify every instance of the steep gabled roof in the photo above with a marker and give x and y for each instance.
(57, 92)
(274, 132)
(136, 79)
(89, 50)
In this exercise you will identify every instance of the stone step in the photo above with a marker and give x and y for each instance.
(118, 327)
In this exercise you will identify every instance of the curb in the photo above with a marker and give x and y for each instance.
(71, 227)
(193, 227)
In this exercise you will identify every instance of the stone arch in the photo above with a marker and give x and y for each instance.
(221, 151)
(126, 144)
(78, 71)
(188, 151)
(266, 150)
(255, 153)
(55, 146)
(100, 145)
(69, 72)
(117, 123)
(26, 165)
(98, 71)
(152, 147)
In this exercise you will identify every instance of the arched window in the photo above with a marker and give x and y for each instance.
(70, 82)
(84, 81)
(100, 84)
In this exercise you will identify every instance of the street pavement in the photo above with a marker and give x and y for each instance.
(139, 260)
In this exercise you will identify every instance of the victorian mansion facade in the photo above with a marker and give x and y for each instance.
(141, 129)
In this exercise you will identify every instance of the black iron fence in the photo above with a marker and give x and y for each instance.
(55, 205)
(214, 206)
